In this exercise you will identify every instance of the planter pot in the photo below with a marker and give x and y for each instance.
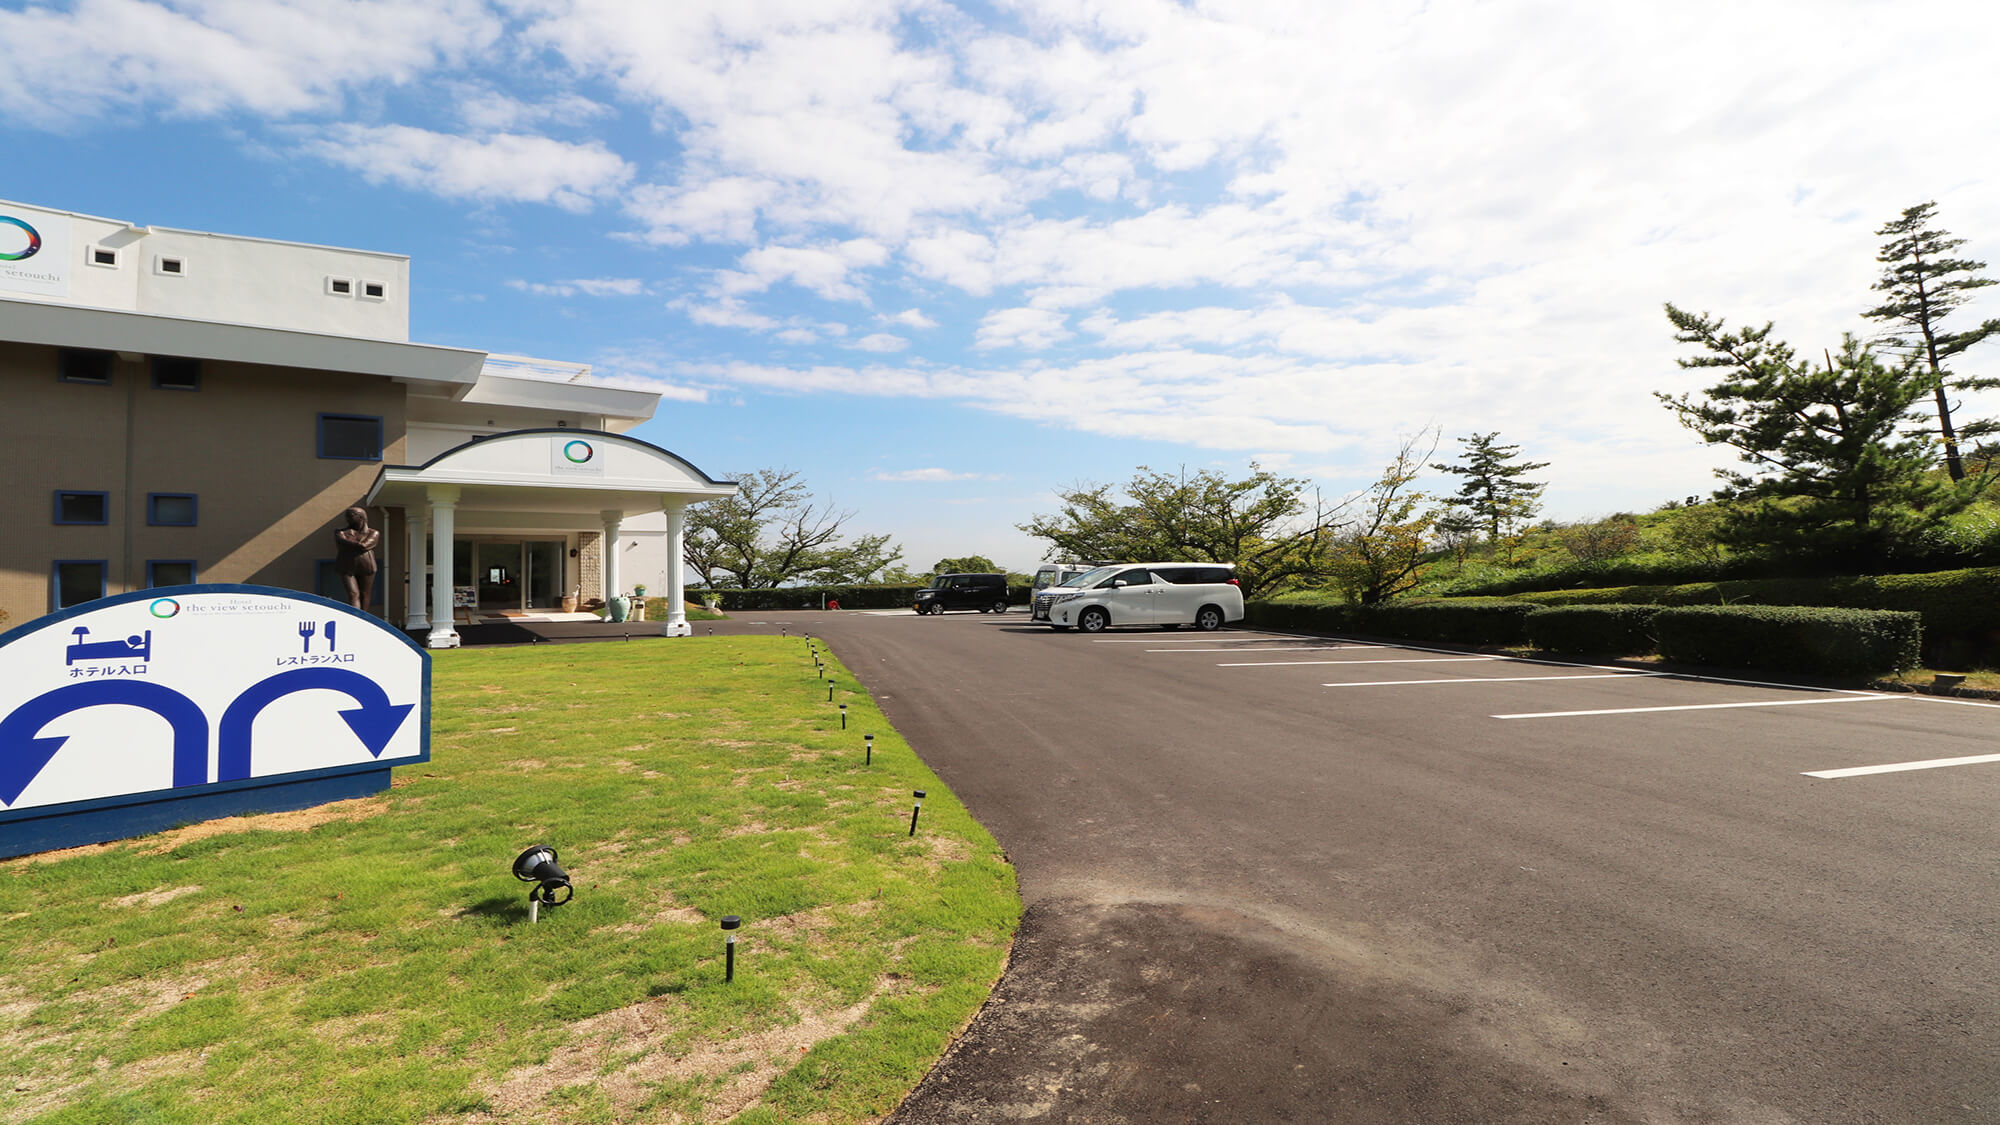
(569, 604)
(618, 608)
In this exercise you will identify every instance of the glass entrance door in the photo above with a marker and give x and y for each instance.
(499, 575)
(544, 578)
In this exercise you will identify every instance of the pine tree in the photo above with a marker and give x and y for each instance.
(1924, 284)
(1831, 477)
(1493, 489)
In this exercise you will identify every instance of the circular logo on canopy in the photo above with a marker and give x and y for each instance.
(34, 240)
(578, 452)
(165, 607)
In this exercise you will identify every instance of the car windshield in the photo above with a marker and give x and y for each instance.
(1089, 577)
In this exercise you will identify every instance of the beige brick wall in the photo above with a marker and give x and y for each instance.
(245, 444)
(590, 564)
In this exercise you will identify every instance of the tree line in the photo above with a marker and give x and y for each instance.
(1845, 457)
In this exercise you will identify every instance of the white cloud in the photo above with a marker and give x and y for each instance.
(1029, 329)
(909, 318)
(59, 69)
(588, 286)
(929, 475)
(881, 342)
(824, 270)
(507, 167)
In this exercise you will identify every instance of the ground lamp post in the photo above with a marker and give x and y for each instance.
(552, 887)
(729, 924)
(915, 811)
(868, 740)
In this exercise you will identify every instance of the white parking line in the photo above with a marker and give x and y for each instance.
(1241, 648)
(1494, 680)
(1392, 660)
(1699, 707)
(1934, 763)
(1251, 640)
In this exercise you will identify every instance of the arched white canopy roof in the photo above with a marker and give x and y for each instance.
(559, 472)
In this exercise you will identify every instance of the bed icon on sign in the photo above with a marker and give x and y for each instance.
(133, 646)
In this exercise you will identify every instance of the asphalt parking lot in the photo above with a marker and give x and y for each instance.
(1282, 879)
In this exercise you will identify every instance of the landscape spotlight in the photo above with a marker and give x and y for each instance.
(843, 716)
(538, 865)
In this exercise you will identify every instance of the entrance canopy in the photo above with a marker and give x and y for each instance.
(539, 480)
(563, 473)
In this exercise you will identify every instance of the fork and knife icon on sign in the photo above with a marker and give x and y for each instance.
(306, 631)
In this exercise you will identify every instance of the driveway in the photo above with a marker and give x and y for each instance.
(1271, 879)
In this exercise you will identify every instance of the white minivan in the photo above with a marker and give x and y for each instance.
(1204, 595)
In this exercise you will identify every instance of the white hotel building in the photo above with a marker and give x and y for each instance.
(178, 406)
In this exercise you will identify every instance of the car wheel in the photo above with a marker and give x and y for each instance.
(1093, 620)
(999, 607)
(1208, 619)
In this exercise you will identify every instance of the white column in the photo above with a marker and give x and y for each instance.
(612, 550)
(419, 525)
(444, 523)
(677, 618)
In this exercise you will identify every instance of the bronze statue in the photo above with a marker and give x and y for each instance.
(355, 558)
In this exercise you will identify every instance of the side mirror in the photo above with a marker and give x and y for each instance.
(1119, 584)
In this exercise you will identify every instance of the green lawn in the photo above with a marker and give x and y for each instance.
(372, 961)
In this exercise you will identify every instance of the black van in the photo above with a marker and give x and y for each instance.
(986, 593)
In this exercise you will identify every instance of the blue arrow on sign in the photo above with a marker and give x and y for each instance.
(22, 755)
(375, 722)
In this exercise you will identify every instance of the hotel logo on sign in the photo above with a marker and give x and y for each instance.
(575, 456)
(34, 251)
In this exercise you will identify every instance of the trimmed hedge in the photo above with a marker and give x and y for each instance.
(1611, 630)
(1821, 641)
(808, 597)
(1469, 621)
(1960, 608)
(1473, 621)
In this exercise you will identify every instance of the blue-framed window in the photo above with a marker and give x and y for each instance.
(176, 373)
(350, 437)
(327, 584)
(170, 572)
(76, 581)
(84, 365)
(170, 509)
(76, 506)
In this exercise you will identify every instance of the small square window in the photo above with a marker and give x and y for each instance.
(84, 365)
(76, 581)
(83, 507)
(104, 256)
(176, 373)
(170, 509)
(170, 266)
(350, 437)
(169, 572)
(374, 290)
(340, 286)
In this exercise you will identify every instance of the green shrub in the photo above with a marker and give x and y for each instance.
(1612, 629)
(1301, 612)
(1960, 608)
(1813, 640)
(1474, 621)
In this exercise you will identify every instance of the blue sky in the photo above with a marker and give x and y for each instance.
(942, 259)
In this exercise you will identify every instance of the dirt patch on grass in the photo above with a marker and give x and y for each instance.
(737, 1070)
(298, 820)
(154, 898)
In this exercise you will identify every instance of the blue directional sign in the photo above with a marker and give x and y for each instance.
(141, 711)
